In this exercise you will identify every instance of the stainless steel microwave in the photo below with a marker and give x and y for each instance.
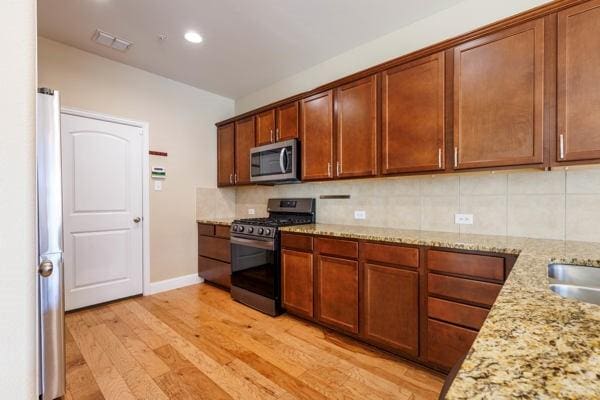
(275, 163)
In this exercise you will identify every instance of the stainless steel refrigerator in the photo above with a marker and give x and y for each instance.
(51, 348)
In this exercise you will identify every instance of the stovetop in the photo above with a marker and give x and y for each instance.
(276, 221)
(282, 212)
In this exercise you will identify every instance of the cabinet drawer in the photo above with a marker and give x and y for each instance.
(446, 343)
(399, 255)
(298, 242)
(457, 313)
(213, 247)
(477, 266)
(214, 271)
(222, 231)
(206, 230)
(336, 247)
(482, 293)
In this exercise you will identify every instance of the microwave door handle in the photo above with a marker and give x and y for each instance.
(281, 161)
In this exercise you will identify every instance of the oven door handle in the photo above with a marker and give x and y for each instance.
(261, 244)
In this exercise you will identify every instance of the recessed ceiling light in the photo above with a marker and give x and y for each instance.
(193, 37)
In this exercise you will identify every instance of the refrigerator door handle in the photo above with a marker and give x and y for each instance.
(49, 270)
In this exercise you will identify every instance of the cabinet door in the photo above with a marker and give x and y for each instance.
(287, 122)
(390, 307)
(412, 103)
(225, 155)
(265, 127)
(244, 141)
(356, 115)
(317, 136)
(337, 293)
(498, 98)
(579, 83)
(297, 282)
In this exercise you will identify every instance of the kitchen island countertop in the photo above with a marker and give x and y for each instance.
(534, 344)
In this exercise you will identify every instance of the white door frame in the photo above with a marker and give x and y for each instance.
(145, 184)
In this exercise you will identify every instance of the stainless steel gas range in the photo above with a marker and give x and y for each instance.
(255, 253)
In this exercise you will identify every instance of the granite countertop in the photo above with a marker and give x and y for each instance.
(534, 344)
(216, 221)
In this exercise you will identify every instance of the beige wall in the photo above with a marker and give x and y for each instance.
(181, 122)
(18, 376)
(463, 17)
(562, 204)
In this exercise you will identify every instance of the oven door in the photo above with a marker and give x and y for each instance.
(255, 266)
(277, 162)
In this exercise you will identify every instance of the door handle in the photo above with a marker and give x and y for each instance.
(137, 220)
(45, 269)
(281, 161)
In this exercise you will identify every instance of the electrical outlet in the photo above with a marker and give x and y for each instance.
(463, 219)
(157, 185)
(251, 211)
(360, 214)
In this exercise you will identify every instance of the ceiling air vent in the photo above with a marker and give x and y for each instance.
(108, 40)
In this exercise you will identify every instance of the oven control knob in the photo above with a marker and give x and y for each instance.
(267, 231)
(250, 230)
(235, 228)
(261, 231)
(241, 229)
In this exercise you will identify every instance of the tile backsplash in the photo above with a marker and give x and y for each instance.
(561, 204)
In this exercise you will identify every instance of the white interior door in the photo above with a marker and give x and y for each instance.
(102, 210)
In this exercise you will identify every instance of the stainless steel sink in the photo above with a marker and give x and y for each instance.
(575, 281)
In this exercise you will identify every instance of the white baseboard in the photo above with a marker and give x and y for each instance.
(174, 283)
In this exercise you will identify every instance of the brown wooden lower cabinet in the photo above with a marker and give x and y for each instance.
(389, 296)
(337, 292)
(297, 282)
(447, 343)
(390, 307)
(214, 271)
(214, 254)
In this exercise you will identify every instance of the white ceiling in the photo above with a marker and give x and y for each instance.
(248, 44)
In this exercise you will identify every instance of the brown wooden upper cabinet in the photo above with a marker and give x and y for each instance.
(265, 127)
(499, 98)
(356, 133)
(412, 105)
(225, 155)
(244, 141)
(578, 116)
(278, 124)
(316, 126)
(287, 121)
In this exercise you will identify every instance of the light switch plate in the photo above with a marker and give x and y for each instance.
(463, 219)
(251, 211)
(360, 214)
(157, 185)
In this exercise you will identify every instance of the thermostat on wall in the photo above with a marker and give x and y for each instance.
(159, 172)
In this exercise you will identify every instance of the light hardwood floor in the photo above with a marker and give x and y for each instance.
(196, 343)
